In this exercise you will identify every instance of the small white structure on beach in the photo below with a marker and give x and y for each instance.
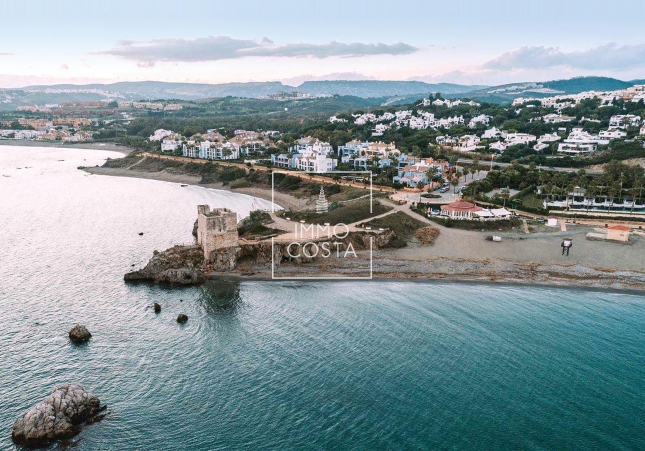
(552, 222)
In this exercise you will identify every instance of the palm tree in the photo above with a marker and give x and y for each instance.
(613, 190)
(506, 194)
(455, 183)
(592, 190)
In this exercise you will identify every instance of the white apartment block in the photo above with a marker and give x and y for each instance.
(316, 163)
(624, 120)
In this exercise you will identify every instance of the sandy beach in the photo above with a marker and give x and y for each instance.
(90, 145)
(462, 255)
(283, 200)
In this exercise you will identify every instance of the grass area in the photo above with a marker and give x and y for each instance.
(256, 226)
(344, 213)
(531, 201)
(124, 162)
(504, 225)
(404, 226)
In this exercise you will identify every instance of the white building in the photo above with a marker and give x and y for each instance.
(482, 119)
(492, 133)
(613, 133)
(170, 145)
(380, 129)
(160, 134)
(468, 143)
(549, 138)
(624, 121)
(316, 163)
(513, 139)
(576, 148)
(556, 118)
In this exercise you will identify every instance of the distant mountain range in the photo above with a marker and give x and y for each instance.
(149, 90)
(506, 93)
(386, 92)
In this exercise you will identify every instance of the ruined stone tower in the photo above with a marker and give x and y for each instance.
(217, 234)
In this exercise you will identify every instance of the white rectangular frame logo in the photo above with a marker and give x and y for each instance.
(287, 173)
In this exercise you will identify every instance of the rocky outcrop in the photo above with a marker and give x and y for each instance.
(157, 308)
(179, 264)
(181, 318)
(57, 417)
(186, 265)
(79, 334)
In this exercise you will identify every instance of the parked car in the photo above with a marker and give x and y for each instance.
(444, 190)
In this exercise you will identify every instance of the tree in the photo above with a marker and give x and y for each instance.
(455, 183)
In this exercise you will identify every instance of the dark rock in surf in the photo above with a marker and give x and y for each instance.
(79, 334)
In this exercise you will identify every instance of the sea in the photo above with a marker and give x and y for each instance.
(289, 365)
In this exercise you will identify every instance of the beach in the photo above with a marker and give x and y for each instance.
(286, 201)
(461, 255)
(81, 145)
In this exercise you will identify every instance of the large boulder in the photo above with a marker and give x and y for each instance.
(181, 318)
(179, 264)
(57, 417)
(79, 334)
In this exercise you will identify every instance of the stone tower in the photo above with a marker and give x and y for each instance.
(216, 231)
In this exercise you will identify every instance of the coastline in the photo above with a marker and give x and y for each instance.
(87, 145)
(464, 256)
(285, 201)
(428, 279)
(444, 269)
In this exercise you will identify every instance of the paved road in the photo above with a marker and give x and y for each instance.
(503, 165)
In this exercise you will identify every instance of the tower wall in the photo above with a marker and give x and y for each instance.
(216, 229)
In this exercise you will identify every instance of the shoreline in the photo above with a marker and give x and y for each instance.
(444, 269)
(283, 200)
(87, 145)
(464, 256)
(640, 290)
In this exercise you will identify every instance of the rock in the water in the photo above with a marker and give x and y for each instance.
(157, 308)
(57, 417)
(79, 334)
(181, 318)
(180, 264)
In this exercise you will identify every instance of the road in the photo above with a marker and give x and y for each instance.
(503, 165)
(300, 174)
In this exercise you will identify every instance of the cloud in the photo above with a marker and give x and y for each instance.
(5, 54)
(214, 48)
(606, 57)
(64, 66)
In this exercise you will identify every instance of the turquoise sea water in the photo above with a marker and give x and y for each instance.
(290, 365)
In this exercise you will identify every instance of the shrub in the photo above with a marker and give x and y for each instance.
(239, 183)
(427, 235)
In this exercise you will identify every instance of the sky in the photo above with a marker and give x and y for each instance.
(210, 41)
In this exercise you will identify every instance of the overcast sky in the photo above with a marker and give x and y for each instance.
(470, 42)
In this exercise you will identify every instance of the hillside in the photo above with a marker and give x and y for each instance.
(393, 92)
(378, 88)
(506, 93)
(147, 90)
